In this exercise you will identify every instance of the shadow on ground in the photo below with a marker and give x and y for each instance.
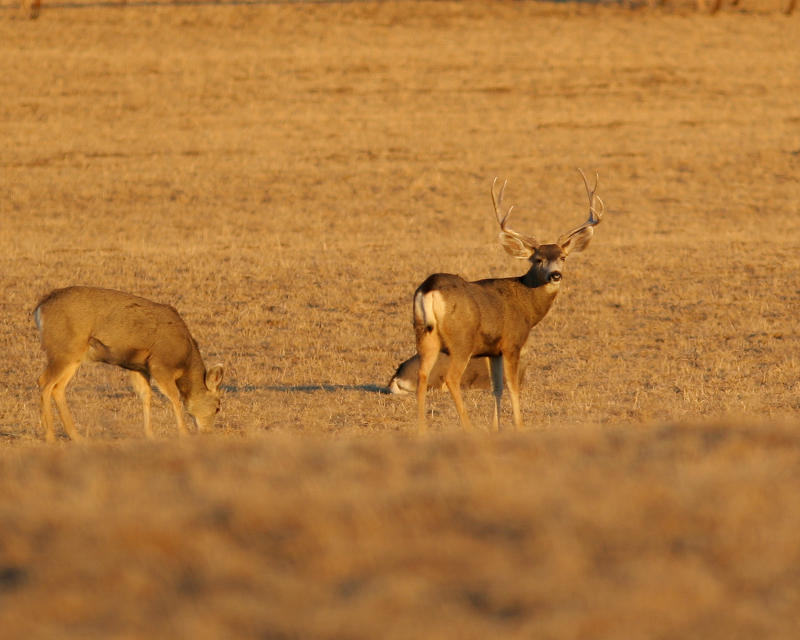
(307, 388)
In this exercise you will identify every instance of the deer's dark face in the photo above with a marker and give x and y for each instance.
(548, 263)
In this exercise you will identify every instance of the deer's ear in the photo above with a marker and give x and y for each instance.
(516, 246)
(214, 377)
(578, 241)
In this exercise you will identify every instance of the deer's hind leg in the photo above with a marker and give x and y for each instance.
(428, 346)
(46, 382)
(53, 385)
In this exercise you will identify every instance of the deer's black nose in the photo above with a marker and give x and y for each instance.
(555, 276)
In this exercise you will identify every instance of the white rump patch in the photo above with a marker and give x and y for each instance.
(419, 311)
(429, 308)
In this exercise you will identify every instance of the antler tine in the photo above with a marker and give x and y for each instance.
(502, 219)
(498, 202)
(600, 213)
(595, 216)
(593, 196)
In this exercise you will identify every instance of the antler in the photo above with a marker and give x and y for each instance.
(498, 202)
(502, 218)
(595, 216)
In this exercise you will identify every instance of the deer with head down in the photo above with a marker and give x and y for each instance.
(151, 340)
(493, 317)
(477, 375)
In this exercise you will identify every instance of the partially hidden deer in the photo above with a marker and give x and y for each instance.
(477, 375)
(89, 324)
(493, 317)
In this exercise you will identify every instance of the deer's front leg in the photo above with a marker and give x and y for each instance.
(511, 366)
(141, 385)
(496, 367)
(458, 362)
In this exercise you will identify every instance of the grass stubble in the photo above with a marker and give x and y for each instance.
(285, 176)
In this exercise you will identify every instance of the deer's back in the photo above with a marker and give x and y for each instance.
(470, 314)
(489, 315)
(115, 324)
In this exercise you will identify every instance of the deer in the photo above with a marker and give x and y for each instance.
(476, 376)
(493, 317)
(90, 324)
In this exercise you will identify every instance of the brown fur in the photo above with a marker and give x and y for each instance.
(149, 339)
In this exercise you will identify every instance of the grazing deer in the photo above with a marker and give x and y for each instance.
(493, 317)
(476, 376)
(149, 339)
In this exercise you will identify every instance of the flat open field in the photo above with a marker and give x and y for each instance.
(285, 176)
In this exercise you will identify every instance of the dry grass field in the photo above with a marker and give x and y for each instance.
(285, 175)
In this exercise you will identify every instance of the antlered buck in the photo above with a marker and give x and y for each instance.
(151, 340)
(493, 317)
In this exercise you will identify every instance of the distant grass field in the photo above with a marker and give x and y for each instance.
(285, 176)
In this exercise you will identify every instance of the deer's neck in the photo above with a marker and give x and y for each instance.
(194, 374)
(539, 297)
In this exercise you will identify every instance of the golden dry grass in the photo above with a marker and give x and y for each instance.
(285, 176)
(665, 532)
